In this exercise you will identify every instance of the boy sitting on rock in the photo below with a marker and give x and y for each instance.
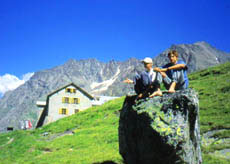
(148, 82)
(174, 74)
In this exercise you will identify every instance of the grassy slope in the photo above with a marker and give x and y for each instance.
(96, 129)
(213, 86)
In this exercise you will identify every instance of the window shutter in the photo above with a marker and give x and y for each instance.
(63, 99)
(72, 100)
(60, 111)
(78, 100)
(67, 111)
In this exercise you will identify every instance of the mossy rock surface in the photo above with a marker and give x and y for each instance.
(161, 130)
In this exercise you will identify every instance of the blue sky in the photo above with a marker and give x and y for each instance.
(41, 34)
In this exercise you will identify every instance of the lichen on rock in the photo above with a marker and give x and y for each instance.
(161, 129)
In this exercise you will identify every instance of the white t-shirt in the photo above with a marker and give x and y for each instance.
(152, 74)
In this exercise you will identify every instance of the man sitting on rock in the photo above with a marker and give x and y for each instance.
(146, 84)
(174, 74)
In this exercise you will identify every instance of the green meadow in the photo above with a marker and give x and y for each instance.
(91, 136)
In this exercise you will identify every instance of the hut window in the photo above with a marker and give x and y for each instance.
(77, 110)
(63, 111)
(65, 99)
(68, 90)
(76, 100)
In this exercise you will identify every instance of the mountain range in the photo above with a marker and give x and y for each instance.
(96, 77)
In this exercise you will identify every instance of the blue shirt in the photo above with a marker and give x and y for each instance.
(170, 72)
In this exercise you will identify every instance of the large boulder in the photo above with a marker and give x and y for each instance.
(161, 130)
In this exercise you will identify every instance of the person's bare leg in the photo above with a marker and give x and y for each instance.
(156, 93)
(172, 87)
(140, 96)
(159, 93)
(153, 94)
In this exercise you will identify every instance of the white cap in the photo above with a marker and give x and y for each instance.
(147, 60)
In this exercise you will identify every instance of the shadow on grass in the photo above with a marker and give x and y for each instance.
(106, 162)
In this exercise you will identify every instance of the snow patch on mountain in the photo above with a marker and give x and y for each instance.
(103, 86)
